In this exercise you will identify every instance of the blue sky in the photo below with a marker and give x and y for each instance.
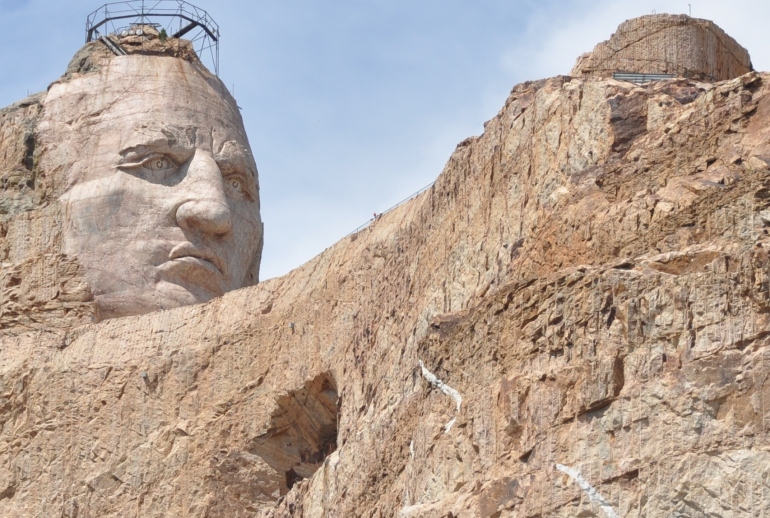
(352, 105)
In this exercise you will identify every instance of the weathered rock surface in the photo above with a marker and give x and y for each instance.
(667, 44)
(590, 276)
(39, 286)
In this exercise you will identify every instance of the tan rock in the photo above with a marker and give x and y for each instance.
(667, 44)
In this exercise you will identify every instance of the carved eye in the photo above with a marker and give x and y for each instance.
(236, 184)
(158, 163)
(155, 167)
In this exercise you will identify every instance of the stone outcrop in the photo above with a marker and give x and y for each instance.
(40, 287)
(589, 278)
(667, 44)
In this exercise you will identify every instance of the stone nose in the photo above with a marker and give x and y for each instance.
(205, 208)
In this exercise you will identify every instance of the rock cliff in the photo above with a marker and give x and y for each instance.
(667, 44)
(571, 322)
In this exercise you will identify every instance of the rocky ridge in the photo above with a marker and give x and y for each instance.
(667, 44)
(590, 276)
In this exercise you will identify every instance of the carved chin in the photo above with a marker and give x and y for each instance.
(166, 295)
(196, 276)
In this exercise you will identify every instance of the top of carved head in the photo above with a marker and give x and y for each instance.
(159, 193)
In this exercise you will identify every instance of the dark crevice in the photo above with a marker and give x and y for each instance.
(292, 478)
(302, 432)
(29, 151)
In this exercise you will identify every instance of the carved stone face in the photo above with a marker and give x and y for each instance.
(162, 197)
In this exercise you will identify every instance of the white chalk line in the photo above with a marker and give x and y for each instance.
(592, 493)
(446, 389)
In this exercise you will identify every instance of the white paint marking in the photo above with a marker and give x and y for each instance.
(446, 389)
(592, 493)
(443, 387)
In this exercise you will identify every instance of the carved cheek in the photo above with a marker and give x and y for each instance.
(94, 212)
(242, 247)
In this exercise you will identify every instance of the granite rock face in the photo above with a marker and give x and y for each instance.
(571, 322)
(40, 286)
(667, 44)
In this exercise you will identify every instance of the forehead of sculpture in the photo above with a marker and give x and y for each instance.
(149, 87)
(139, 101)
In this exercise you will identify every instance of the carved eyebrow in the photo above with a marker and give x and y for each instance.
(236, 156)
(174, 148)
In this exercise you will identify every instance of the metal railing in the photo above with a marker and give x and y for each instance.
(182, 19)
(379, 214)
(640, 78)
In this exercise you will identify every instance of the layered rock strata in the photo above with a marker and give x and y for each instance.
(667, 44)
(571, 322)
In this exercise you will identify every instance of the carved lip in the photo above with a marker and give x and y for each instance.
(203, 253)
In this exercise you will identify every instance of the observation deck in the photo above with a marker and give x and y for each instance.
(175, 18)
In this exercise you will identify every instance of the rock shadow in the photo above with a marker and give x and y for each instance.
(303, 430)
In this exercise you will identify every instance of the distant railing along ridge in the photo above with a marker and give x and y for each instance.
(417, 193)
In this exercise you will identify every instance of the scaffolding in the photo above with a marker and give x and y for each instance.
(177, 17)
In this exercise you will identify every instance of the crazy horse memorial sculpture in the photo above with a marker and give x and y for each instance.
(573, 320)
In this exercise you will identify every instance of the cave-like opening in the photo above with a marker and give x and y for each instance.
(302, 431)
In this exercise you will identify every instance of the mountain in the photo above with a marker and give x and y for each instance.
(572, 321)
